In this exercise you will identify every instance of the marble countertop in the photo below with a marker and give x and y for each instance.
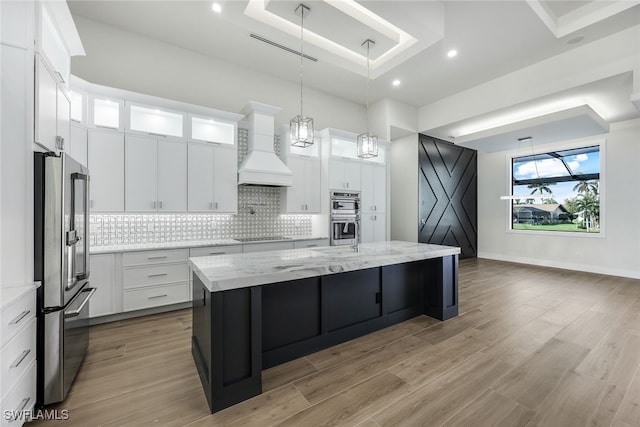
(234, 271)
(10, 293)
(188, 244)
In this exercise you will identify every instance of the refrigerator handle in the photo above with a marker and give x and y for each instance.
(86, 200)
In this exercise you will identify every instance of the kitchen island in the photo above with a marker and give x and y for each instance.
(257, 310)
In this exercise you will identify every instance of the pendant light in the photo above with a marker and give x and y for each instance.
(367, 143)
(301, 127)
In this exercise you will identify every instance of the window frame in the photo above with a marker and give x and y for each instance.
(547, 148)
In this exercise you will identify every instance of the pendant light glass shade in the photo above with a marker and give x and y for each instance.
(367, 146)
(301, 131)
(301, 126)
(367, 143)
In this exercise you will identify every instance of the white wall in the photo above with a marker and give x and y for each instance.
(617, 253)
(404, 188)
(129, 61)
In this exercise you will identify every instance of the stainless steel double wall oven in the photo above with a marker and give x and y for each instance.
(345, 218)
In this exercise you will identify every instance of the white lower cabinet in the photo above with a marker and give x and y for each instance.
(373, 227)
(315, 243)
(268, 246)
(103, 273)
(18, 359)
(155, 278)
(215, 250)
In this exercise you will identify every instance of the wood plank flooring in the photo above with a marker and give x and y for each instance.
(532, 347)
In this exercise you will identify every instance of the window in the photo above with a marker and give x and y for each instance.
(560, 191)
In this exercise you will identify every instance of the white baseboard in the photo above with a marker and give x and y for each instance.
(564, 265)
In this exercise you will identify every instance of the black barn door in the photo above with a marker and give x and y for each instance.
(447, 195)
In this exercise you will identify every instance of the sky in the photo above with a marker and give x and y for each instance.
(547, 167)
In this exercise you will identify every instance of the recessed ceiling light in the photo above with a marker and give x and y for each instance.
(452, 53)
(396, 82)
(216, 7)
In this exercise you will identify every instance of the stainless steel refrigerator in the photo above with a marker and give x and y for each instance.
(61, 256)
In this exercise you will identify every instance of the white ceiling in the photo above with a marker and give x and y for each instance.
(493, 38)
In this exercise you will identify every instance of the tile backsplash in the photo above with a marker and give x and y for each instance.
(258, 215)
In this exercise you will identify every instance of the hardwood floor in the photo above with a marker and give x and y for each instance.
(532, 346)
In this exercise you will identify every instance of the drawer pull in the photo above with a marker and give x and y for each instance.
(19, 317)
(157, 275)
(20, 358)
(312, 246)
(157, 257)
(158, 296)
(217, 253)
(23, 405)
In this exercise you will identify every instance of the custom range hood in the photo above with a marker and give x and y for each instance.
(262, 166)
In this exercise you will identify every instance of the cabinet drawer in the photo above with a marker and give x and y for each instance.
(135, 277)
(155, 257)
(215, 250)
(155, 296)
(15, 317)
(311, 243)
(17, 355)
(260, 247)
(21, 397)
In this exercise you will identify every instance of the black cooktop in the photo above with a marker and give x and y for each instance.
(261, 239)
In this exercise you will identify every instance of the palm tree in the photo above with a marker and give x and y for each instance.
(539, 188)
(584, 187)
(589, 204)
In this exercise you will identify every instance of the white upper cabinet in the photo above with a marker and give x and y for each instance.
(58, 39)
(141, 174)
(78, 106)
(344, 174)
(16, 23)
(106, 166)
(46, 106)
(212, 182)
(172, 176)
(155, 175)
(106, 113)
(77, 146)
(374, 188)
(154, 121)
(304, 195)
(211, 130)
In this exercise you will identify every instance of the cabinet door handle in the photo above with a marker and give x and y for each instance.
(157, 275)
(23, 404)
(20, 358)
(59, 142)
(106, 127)
(158, 296)
(306, 208)
(215, 205)
(157, 134)
(19, 317)
(312, 246)
(217, 253)
(59, 76)
(157, 257)
(155, 204)
(347, 185)
(91, 204)
(160, 204)
(211, 205)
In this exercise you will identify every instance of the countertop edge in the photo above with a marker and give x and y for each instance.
(97, 250)
(280, 276)
(10, 293)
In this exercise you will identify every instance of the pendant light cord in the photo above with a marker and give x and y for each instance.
(301, 52)
(368, 79)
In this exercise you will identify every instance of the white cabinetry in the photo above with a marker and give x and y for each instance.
(373, 227)
(103, 272)
(53, 110)
(77, 147)
(267, 246)
(344, 174)
(155, 278)
(106, 165)
(18, 356)
(374, 188)
(212, 181)
(304, 195)
(155, 175)
(315, 243)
